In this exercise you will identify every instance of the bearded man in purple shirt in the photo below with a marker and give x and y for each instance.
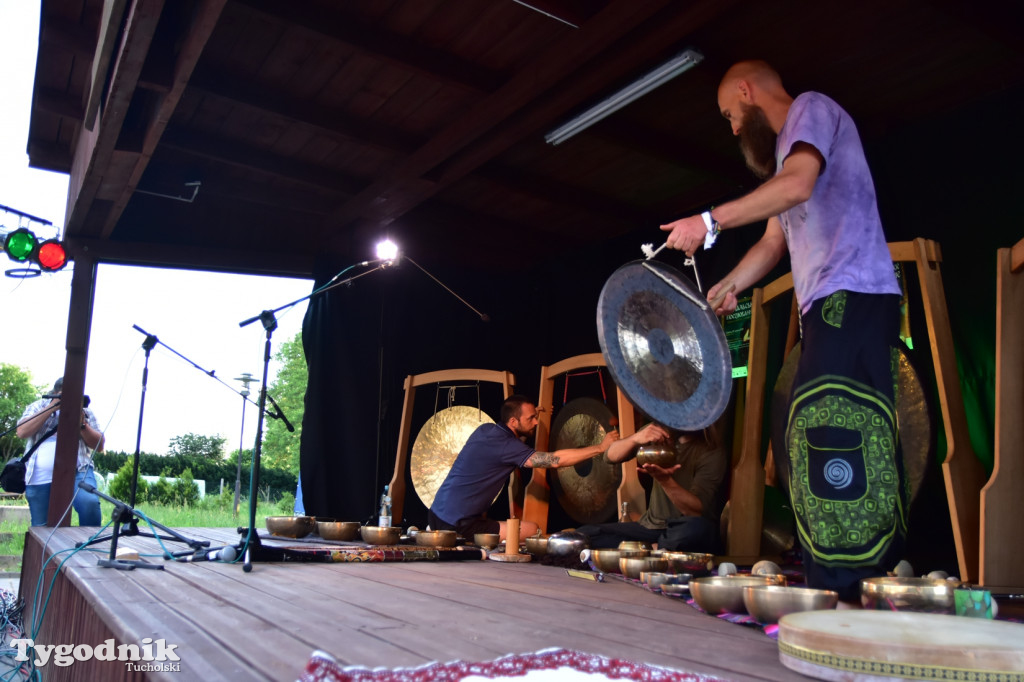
(846, 480)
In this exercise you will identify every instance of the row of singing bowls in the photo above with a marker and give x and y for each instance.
(724, 594)
(338, 530)
(437, 538)
(768, 603)
(908, 594)
(291, 526)
(382, 535)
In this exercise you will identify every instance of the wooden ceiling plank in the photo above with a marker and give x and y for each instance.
(203, 21)
(59, 34)
(239, 89)
(214, 148)
(548, 69)
(387, 46)
(59, 103)
(93, 148)
(523, 121)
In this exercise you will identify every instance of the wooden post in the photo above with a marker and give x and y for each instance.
(1002, 533)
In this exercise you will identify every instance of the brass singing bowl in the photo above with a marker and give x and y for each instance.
(635, 548)
(768, 603)
(724, 594)
(676, 588)
(486, 540)
(536, 545)
(436, 538)
(606, 560)
(689, 562)
(656, 580)
(658, 455)
(338, 530)
(383, 535)
(908, 594)
(632, 567)
(291, 526)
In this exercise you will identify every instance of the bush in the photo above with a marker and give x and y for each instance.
(286, 504)
(186, 492)
(121, 486)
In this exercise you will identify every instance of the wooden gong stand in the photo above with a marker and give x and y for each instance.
(963, 473)
(1002, 533)
(397, 485)
(538, 490)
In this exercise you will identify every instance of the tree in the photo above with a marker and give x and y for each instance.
(280, 449)
(16, 393)
(195, 445)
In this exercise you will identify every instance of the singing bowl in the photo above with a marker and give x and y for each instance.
(486, 540)
(635, 546)
(768, 603)
(536, 545)
(606, 560)
(437, 538)
(291, 526)
(908, 594)
(656, 580)
(383, 535)
(689, 562)
(658, 455)
(676, 588)
(724, 594)
(338, 530)
(567, 543)
(632, 567)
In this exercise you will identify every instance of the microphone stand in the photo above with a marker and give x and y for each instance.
(250, 548)
(125, 513)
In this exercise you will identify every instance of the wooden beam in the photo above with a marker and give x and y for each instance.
(197, 27)
(192, 258)
(384, 45)
(69, 431)
(59, 34)
(94, 148)
(110, 28)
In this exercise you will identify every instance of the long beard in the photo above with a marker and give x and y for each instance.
(757, 142)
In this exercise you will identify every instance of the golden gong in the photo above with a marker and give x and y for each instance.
(587, 491)
(438, 444)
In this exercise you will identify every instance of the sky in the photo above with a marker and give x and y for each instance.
(192, 314)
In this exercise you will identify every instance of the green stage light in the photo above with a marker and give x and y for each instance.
(20, 245)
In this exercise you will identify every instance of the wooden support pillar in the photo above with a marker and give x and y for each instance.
(69, 432)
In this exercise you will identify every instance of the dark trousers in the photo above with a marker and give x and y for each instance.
(684, 534)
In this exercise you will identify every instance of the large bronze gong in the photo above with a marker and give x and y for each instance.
(438, 444)
(913, 415)
(586, 491)
(664, 346)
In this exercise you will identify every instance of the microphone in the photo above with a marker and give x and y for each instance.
(226, 554)
(51, 396)
(279, 414)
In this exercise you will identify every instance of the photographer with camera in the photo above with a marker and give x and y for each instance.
(38, 425)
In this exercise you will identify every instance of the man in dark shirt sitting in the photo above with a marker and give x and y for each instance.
(483, 465)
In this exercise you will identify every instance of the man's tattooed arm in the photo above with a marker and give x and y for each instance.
(543, 460)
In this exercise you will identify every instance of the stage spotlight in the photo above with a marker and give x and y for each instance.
(387, 251)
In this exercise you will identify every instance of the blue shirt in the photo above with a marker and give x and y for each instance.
(479, 472)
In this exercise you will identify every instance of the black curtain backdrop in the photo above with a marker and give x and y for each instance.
(954, 179)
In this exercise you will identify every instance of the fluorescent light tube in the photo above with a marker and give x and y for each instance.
(635, 90)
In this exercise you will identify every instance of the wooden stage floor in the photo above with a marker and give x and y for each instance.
(265, 624)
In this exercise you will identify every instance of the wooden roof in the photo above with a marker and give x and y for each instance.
(258, 135)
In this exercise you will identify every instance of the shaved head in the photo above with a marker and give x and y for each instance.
(754, 71)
